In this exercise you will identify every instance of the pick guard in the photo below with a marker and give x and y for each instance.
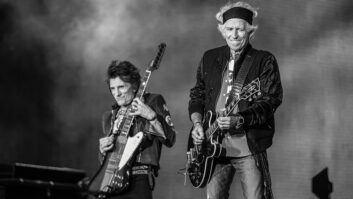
(131, 145)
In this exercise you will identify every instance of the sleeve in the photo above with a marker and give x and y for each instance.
(197, 93)
(159, 105)
(264, 106)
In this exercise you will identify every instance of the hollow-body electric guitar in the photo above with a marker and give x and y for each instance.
(113, 175)
(201, 158)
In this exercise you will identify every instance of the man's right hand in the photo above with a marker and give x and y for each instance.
(105, 144)
(197, 134)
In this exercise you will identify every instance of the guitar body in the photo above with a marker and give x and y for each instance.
(201, 159)
(112, 180)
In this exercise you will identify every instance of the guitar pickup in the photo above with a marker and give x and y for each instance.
(122, 139)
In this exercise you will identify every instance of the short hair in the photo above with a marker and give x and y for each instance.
(219, 16)
(126, 71)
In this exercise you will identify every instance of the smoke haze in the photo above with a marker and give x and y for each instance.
(54, 55)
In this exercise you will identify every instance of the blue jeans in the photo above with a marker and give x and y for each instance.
(248, 172)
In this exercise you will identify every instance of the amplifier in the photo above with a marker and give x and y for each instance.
(38, 172)
(20, 180)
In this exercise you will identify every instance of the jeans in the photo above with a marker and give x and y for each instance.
(249, 174)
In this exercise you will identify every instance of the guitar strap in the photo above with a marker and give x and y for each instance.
(261, 159)
(241, 76)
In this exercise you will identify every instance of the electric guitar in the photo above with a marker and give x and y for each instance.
(113, 175)
(201, 158)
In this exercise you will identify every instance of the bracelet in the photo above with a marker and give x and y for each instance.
(197, 123)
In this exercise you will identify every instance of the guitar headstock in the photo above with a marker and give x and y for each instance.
(154, 65)
(251, 90)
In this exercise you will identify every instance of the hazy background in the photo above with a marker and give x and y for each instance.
(54, 54)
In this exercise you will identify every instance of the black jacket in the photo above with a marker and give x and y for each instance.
(259, 114)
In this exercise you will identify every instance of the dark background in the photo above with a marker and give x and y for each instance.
(54, 54)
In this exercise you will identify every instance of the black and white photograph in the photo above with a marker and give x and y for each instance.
(130, 99)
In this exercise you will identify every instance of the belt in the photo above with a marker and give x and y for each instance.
(140, 169)
(144, 170)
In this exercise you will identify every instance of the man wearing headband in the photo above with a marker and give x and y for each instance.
(247, 130)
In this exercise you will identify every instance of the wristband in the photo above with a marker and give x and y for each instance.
(197, 123)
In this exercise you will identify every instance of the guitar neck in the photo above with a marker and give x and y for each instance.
(143, 85)
(214, 126)
(246, 93)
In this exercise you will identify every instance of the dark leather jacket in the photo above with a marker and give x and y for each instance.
(151, 147)
(259, 114)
